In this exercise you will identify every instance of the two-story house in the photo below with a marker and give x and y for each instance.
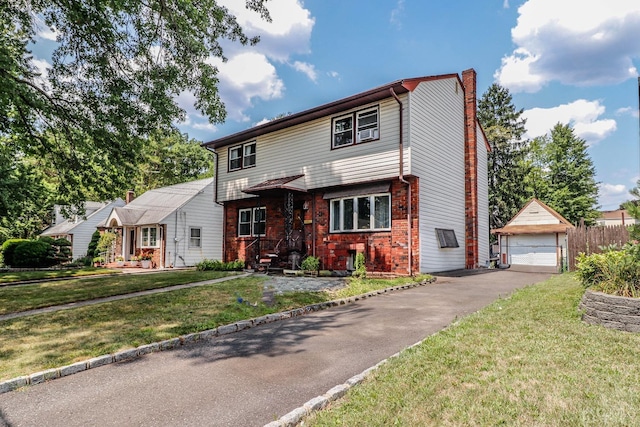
(398, 173)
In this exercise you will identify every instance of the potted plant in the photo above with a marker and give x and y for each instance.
(145, 259)
(310, 265)
(120, 261)
(98, 261)
(133, 261)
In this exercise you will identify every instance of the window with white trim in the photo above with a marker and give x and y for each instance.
(149, 237)
(252, 222)
(195, 237)
(361, 213)
(343, 131)
(242, 156)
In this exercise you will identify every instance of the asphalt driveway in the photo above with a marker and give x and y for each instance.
(253, 377)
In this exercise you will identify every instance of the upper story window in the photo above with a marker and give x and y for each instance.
(366, 127)
(242, 156)
(361, 213)
(252, 222)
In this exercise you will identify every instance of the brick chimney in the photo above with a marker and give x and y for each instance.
(471, 168)
(130, 196)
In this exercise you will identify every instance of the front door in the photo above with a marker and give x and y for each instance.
(132, 242)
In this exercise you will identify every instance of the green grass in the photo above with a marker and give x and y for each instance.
(34, 343)
(523, 361)
(27, 297)
(52, 274)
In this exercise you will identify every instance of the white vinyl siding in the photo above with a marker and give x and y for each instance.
(306, 149)
(200, 212)
(436, 139)
(534, 214)
(483, 201)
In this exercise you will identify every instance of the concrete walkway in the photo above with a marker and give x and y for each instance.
(255, 376)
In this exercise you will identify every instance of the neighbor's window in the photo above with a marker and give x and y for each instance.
(366, 128)
(361, 213)
(195, 237)
(252, 222)
(242, 156)
(149, 237)
(447, 238)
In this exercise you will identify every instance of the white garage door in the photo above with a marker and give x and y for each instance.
(533, 250)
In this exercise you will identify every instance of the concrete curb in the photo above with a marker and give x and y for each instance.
(128, 354)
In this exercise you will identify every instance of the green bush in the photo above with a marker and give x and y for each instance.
(310, 263)
(8, 250)
(360, 265)
(33, 254)
(615, 272)
(215, 265)
(93, 244)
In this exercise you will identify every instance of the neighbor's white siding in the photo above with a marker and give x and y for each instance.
(534, 214)
(200, 211)
(483, 201)
(306, 149)
(84, 230)
(436, 138)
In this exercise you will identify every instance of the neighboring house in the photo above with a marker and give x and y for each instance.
(535, 239)
(398, 173)
(78, 230)
(179, 224)
(617, 217)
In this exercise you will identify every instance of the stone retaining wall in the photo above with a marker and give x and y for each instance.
(611, 311)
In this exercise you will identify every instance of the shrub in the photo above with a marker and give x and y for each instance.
(33, 254)
(360, 265)
(105, 243)
(93, 244)
(8, 249)
(616, 272)
(310, 263)
(215, 265)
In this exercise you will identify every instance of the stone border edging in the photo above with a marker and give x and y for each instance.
(611, 311)
(54, 373)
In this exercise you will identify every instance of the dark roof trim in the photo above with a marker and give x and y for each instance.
(373, 95)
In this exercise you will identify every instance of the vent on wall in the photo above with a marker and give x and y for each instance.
(447, 238)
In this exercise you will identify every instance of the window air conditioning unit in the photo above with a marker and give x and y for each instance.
(367, 134)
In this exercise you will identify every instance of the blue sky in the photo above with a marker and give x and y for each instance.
(568, 61)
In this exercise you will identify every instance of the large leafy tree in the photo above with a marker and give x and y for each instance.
(569, 174)
(171, 159)
(504, 128)
(115, 74)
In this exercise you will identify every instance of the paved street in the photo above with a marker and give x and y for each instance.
(255, 376)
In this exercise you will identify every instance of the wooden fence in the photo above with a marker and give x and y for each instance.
(590, 240)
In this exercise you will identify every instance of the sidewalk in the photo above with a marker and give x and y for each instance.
(255, 376)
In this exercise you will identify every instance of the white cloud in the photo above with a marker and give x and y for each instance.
(505, 4)
(574, 42)
(204, 126)
(43, 31)
(244, 77)
(307, 69)
(396, 14)
(628, 111)
(610, 196)
(582, 115)
(334, 74)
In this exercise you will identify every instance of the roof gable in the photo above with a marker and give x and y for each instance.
(535, 218)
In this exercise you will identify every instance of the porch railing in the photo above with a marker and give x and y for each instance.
(261, 248)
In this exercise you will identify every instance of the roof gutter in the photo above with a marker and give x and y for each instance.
(404, 181)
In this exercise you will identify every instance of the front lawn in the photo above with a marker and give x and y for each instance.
(34, 343)
(12, 277)
(523, 361)
(45, 294)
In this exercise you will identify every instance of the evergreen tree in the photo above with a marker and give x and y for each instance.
(504, 128)
(633, 208)
(570, 174)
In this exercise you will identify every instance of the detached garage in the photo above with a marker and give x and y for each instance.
(535, 239)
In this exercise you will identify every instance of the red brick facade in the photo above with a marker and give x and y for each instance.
(385, 251)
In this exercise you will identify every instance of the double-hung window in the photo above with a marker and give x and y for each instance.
(361, 213)
(242, 156)
(252, 222)
(195, 237)
(356, 127)
(149, 237)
